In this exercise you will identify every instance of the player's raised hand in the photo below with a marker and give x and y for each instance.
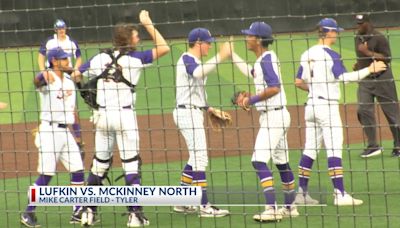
(377, 66)
(144, 18)
(225, 50)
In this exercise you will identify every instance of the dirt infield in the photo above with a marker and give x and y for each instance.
(160, 140)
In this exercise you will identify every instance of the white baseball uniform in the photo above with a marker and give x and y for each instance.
(117, 116)
(321, 68)
(69, 45)
(271, 141)
(54, 140)
(191, 98)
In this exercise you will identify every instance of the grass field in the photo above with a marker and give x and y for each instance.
(374, 180)
(156, 90)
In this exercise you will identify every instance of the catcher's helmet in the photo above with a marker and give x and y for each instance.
(60, 24)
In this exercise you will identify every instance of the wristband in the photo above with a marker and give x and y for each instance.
(254, 99)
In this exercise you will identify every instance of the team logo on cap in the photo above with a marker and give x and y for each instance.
(359, 17)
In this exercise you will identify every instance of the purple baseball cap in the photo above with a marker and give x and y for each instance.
(328, 24)
(57, 53)
(60, 24)
(259, 28)
(200, 34)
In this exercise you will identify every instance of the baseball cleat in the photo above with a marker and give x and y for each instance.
(29, 219)
(212, 211)
(76, 217)
(137, 219)
(371, 151)
(344, 199)
(304, 199)
(88, 217)
(291, 212)
(185, 209)
(271, 214)
(396, 152)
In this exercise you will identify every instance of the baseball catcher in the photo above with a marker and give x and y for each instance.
(241, 99)
(218, 118)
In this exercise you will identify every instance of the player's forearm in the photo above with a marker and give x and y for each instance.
(355, 75)
(78, 63)
(266, 94)
(242, 65)
(300, 84)
(204, 69)
(41, 62)
(161, 44)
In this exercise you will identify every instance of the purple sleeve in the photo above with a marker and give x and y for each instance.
(300, 72)
(338, 67)
(145, 56)
(78, 50)
(190, 64)
(84, 67)
(270, 76)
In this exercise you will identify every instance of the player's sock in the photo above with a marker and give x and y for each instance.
(199, 179)
(43, 180)
(131, 180)
(266, 181)
(76, 130)
(77, 179)
(288, 185)
(305, 172)
(94, 179)
(187, 175)
(336, 173)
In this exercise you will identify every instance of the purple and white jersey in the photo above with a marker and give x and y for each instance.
(267, 73)
(57, 100)
(109, 93)
(68, 45)
(321, 67)
(190, 90)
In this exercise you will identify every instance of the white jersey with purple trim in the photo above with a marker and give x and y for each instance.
(109, 93)
(58, 100)
(189, 90)
(267, 74)
(271, 140)
(69, 45)
(320, 67)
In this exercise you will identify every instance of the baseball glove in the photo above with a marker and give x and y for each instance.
(34, 131)
(219, 119)
(238, 97)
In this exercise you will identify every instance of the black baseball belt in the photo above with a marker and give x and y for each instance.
(60, 125)
(191, 107)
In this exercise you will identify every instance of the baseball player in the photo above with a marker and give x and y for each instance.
(70, 46)
(191, 100)
(371, 44)
(117, 122)
(270, 101)
(54, 140)
(320, 73)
